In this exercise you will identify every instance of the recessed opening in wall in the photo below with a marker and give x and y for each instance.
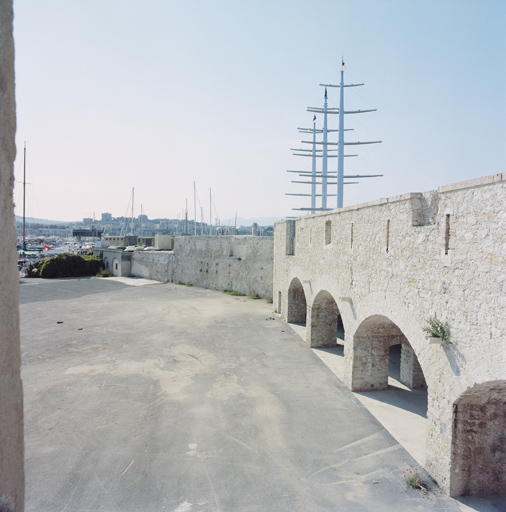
(479, 432)
(290, 238)
(327, 329)
(447, 233)
(388, 234)
(279, 302)
(328, 232)
(296, 303)
(384, 362)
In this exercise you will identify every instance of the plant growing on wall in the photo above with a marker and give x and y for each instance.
(435, 328)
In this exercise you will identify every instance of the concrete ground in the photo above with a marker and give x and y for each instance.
(159, 397)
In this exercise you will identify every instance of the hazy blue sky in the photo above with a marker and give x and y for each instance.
(156, 94)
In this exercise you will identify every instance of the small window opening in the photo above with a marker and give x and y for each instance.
(388, 234)
(447, 233)
(328, 232)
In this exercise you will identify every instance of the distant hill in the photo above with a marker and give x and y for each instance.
(32, 220)
(261, 221)
(241, 221)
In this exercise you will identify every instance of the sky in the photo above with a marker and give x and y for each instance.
(154, 95)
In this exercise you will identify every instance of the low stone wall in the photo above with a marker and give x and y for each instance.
(152, 265)
(243, 264)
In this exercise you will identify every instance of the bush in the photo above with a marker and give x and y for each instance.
(233, 292)
(438, 329)
(104, 273)
(66, 265)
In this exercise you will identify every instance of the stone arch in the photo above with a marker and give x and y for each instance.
(324, 321)
(296, 303)
(478, 450)
(369, 358)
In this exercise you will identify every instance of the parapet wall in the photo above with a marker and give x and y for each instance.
(391, 264)
(243, 264)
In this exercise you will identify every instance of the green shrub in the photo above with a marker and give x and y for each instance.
(233, 292)
(104, 273)
(413, 479)
(256, 296)
(438, 329)
(66, 265)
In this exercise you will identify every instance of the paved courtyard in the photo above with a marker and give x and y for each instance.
(160, 397)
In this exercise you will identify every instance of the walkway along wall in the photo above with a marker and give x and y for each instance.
(376, 272)
(243, 264)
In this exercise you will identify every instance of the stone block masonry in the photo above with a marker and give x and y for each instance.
(379, 270)
(242, 264)
(11, 394)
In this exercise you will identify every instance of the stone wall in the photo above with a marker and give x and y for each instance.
(11, 395)
(391, 264)
(243, 264)
(152, 264)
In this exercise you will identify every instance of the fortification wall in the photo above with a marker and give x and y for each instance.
(243, 264)
(151, 264)
(396, 262)
(11, 395)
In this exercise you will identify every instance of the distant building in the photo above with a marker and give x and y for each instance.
(125, 241)
(106, 217)
(87, 221)
(143, 219)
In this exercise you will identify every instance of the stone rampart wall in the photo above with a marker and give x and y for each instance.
(243, 264)
(405, 259)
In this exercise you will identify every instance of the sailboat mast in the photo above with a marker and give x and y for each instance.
(210, 213)
(324, 156)
(132, 223)
(24, 196)
(340, 150)
(194, 210)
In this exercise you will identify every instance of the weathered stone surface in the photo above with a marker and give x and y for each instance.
(243, 264)
(11, 397)
(389, 266)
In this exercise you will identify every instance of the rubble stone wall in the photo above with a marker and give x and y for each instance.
(398, 261)
(242, 264)
(11, 393)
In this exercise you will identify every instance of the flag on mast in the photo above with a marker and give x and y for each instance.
(342, 64)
